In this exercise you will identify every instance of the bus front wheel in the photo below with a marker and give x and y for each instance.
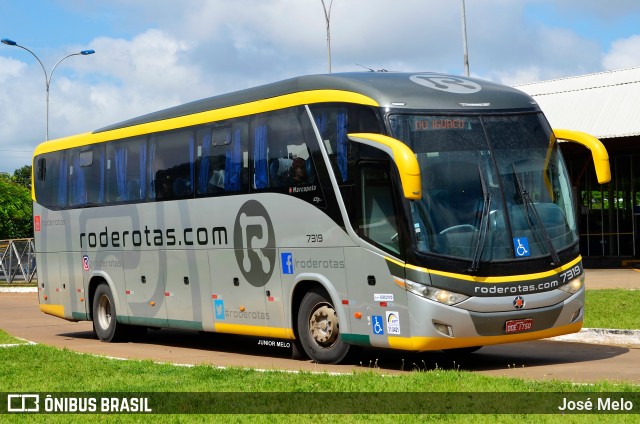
(319, 329)
(105, 324)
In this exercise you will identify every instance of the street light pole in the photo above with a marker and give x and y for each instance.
(47, 76)
(464, 40)
(327, 17)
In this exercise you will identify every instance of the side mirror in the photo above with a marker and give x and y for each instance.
(598, 151)
(403, 157)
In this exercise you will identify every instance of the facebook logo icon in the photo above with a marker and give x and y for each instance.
(287, 263)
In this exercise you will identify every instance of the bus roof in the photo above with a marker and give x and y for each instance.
(429, 91)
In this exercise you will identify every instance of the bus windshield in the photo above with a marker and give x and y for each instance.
(494, 187)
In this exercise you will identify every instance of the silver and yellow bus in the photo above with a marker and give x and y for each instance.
(404, 211)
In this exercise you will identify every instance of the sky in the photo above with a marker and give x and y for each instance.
(154, 54)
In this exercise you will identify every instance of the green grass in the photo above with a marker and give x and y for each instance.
(7, 339)
(43, 369)
(617, 309)
(22, 370)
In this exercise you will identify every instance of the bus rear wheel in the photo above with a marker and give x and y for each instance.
(319, 329)
(105, 322)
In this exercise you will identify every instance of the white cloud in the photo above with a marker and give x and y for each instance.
(152, 61)
(9, 69)
(125, 78)
(519, 76)
(624, 53)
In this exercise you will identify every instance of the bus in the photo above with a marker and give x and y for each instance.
(393, 210)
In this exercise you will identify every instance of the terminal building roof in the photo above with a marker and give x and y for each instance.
(605, 104)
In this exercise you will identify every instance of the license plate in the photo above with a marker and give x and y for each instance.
(518, 325)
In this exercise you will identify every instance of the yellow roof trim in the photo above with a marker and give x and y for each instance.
(245, 109)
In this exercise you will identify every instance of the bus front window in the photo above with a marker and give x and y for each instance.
(487, 183)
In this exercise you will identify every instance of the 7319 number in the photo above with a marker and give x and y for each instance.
(314, 238)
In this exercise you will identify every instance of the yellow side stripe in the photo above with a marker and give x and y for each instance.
(501, 279)
(55, 310)
(255, 330)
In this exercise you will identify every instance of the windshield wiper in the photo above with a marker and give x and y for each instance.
(484, 224)
(528, 205)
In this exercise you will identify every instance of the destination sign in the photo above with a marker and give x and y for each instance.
(440, 123)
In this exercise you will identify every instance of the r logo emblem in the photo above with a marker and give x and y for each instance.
(254, 243)
(447, 83)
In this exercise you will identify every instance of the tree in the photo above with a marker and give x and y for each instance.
(15, 209)
(22, 176)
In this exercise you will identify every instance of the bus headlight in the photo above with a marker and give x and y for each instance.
(572, 286)
(433, 293)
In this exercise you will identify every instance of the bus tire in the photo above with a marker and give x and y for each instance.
(105, 323)
(319, 329)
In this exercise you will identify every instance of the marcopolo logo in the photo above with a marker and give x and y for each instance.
(254, 243)
(451, 84)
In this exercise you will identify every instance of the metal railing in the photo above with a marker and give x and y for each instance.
(17, 261)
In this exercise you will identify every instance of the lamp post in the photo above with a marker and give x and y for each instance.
(47, 76)
(464, 40)
(327, 17)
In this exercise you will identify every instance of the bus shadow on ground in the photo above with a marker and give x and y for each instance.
(488, 358)
(188, 339)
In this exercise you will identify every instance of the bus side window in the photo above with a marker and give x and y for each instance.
(334, 122)
(86, 176)
(126, 170)
(377, 209)
(41, 169)
(49, 188)
(221, 151)
(171, 171)
(281, 156)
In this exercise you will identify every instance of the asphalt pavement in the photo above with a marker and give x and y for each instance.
(619, 278)
(595, 279)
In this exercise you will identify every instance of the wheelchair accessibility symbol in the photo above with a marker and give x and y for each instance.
(521, 246)
(376, 323)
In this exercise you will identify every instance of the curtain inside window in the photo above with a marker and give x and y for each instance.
(341, 135)
(78, 185)
(203, 174)
(121, 172)
(62, 185)
(261, 178)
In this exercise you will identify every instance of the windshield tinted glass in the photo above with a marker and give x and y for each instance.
(494, 187)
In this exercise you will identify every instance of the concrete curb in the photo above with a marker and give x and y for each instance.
(604, 336)
(18, 289)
